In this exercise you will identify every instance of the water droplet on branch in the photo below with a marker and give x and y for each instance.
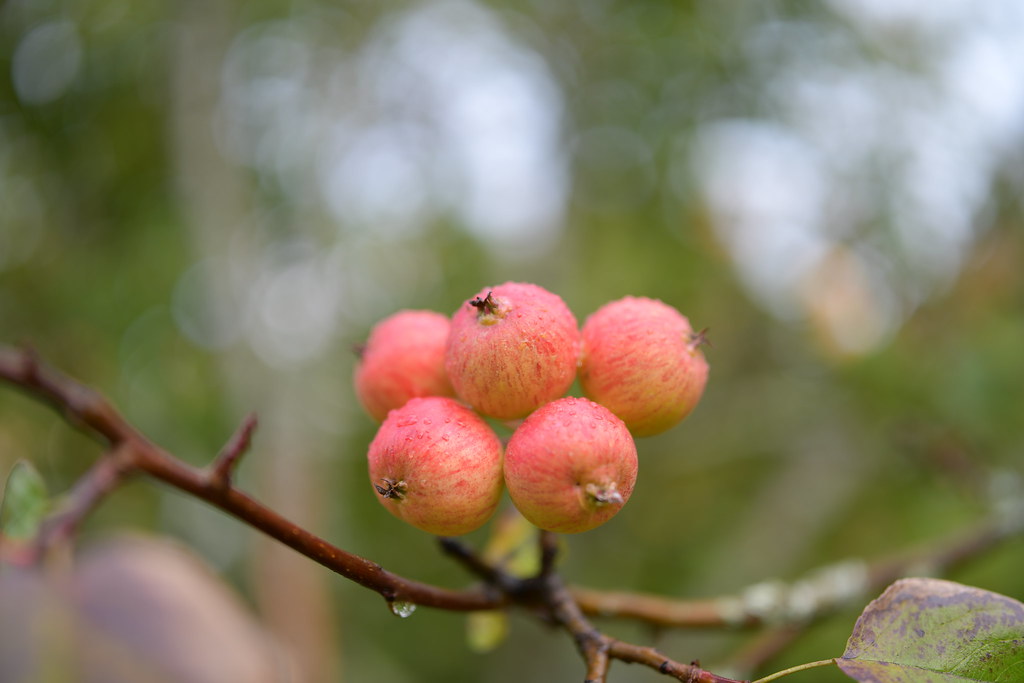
(401, 608)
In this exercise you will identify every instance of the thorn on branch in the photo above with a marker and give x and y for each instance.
(226, 461)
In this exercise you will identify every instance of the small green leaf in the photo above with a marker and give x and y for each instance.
(512, 547)
(934, 631)
(486, 630)
(25, 502)
(513, 544)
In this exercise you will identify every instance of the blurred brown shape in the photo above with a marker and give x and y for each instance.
(134, 609)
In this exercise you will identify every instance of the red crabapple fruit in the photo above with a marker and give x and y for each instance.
(642, 360)
(512, 348)
(403, 358)
(436, 464)
(570, 466)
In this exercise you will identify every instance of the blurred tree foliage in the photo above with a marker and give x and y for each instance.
(203, 208)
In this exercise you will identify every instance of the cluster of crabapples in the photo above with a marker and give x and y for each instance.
(511, 353)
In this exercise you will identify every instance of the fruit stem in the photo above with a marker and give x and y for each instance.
(604, 495)
(794, 669)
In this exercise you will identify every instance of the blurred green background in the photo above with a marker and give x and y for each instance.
(203, 206)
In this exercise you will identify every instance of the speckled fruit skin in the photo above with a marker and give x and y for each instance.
(570, 466)
(403, 358)
(512, 348)
(643, 362)
(437, 465)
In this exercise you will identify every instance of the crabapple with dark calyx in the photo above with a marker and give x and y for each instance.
(437, 465)
(512, 348)
(642, 360)
(570, 466)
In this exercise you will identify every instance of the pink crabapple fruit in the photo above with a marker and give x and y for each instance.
(403, 358)
(570, 466)
(512, 348)
(642, 360)
(437, 465)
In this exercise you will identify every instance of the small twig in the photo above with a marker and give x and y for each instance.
(91, 488)
(548, 552)
(473, 563)
(591, 643)
(662, 611)
(224, 465)
(598, 649)
(648, 656)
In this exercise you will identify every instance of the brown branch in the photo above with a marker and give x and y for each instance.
(660, 611)
(829, 589)
(89, 411)
(598, 649)
(392, 587)
(648, 656)
(78, 404)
